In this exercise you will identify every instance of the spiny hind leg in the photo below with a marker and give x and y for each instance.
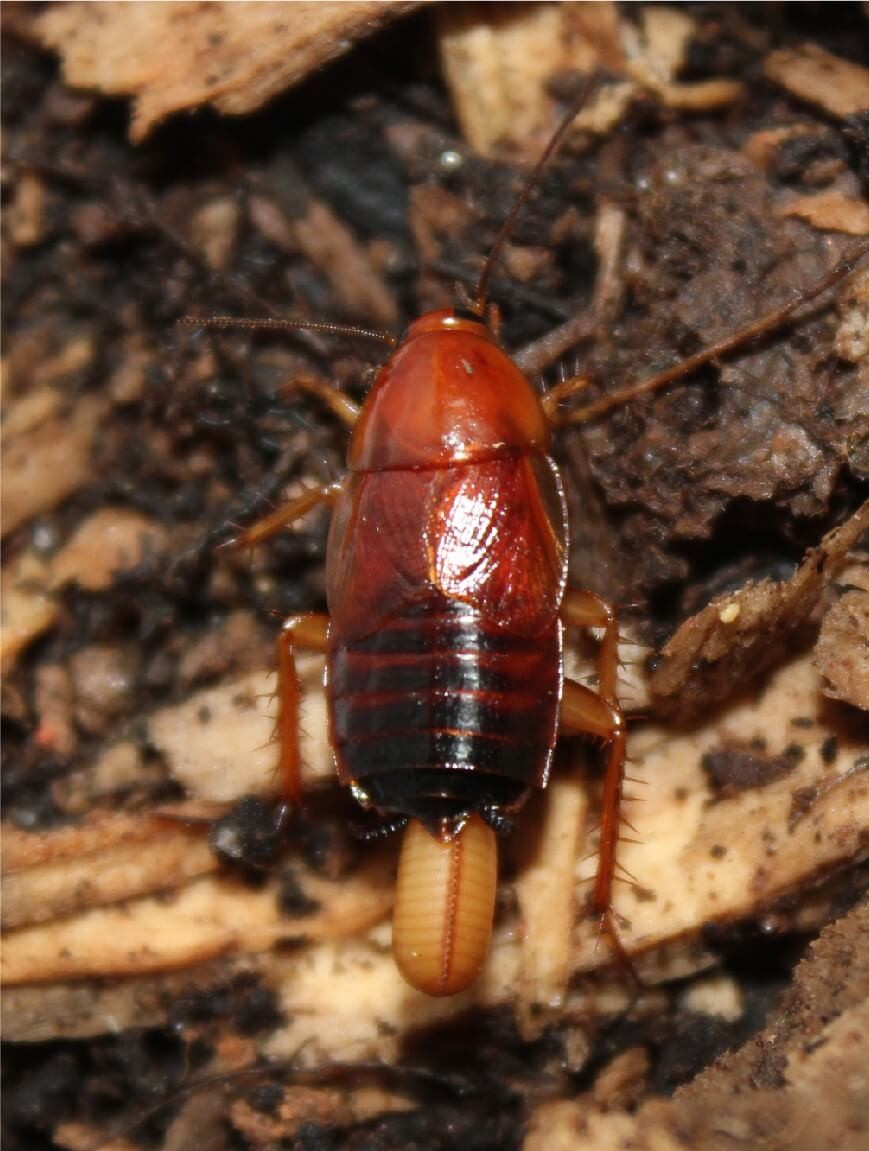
(309, 632)
(598, 713)
(286, 515)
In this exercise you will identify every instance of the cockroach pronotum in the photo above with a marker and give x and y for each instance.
(447, 595)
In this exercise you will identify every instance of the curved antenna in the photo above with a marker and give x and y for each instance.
(275, 323)
(527, 188)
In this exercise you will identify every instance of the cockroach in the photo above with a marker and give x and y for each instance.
(446, 584)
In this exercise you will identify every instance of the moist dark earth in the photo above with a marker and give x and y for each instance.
(672, 500)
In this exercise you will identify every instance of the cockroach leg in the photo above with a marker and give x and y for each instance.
(551, 400)
(284, 516)
(309, 631)
(584, 609)
(738, 339)
(598, 713)
(338, 404)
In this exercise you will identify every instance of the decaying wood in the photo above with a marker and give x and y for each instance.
(219, 743)
(767, 1093)
(173, 57)
(144, 883)
(842, 654)
(737, 634)
(105, 860)
(498, 67)
(726, 858)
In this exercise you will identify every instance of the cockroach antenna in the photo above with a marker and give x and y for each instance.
(280, 324)
(576, 106)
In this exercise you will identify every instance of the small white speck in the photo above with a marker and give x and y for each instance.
(450, 160)
(468, 366)
(729, 613)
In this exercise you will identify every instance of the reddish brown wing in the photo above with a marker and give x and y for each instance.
(498, 541)
(377, 559)
(489, 534)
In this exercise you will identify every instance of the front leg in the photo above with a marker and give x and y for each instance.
(285, 516)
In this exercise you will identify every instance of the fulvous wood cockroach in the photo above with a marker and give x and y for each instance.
(447, 595)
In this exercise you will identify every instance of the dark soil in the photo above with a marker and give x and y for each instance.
(680, 502)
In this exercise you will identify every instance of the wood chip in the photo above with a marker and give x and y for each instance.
(83, 1008)
(702, 861)
(107, 859)
(117, 770)
(80, 1137)
(546, 892)
(655, 53)
(45, 467)
(323, 1106)
(110, 541)
(172, 57)
(330, 246)
(214, 230)
(26, 609)
(830, 211)
(838, 86)
(26, 215)
(212, 916)
(53, 701)
(29, 411)
(218, 742)
(498, 61)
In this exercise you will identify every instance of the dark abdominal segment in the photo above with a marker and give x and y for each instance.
(438, 713)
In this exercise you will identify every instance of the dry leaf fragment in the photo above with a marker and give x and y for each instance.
(839, 86)
(172, 57)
